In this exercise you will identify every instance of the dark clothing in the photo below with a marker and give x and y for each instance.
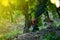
(35, 28)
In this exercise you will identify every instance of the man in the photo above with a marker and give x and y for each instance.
(34, 26)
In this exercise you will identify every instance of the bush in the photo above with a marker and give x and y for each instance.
(51, 36)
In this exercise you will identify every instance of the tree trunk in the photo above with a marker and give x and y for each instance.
(27, 23)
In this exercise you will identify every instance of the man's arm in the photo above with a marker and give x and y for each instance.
(41, 8)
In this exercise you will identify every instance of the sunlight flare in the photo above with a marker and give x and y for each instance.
(5, 2)
(53, 1)
(56, 2)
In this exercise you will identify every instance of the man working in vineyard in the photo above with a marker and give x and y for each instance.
(34, 26)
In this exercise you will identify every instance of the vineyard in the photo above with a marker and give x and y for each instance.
(25, 17)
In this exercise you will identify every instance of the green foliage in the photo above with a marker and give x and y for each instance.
(51, 36)
(16, 10)
(11, 34)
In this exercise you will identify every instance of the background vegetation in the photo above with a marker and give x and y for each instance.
(16, 15)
